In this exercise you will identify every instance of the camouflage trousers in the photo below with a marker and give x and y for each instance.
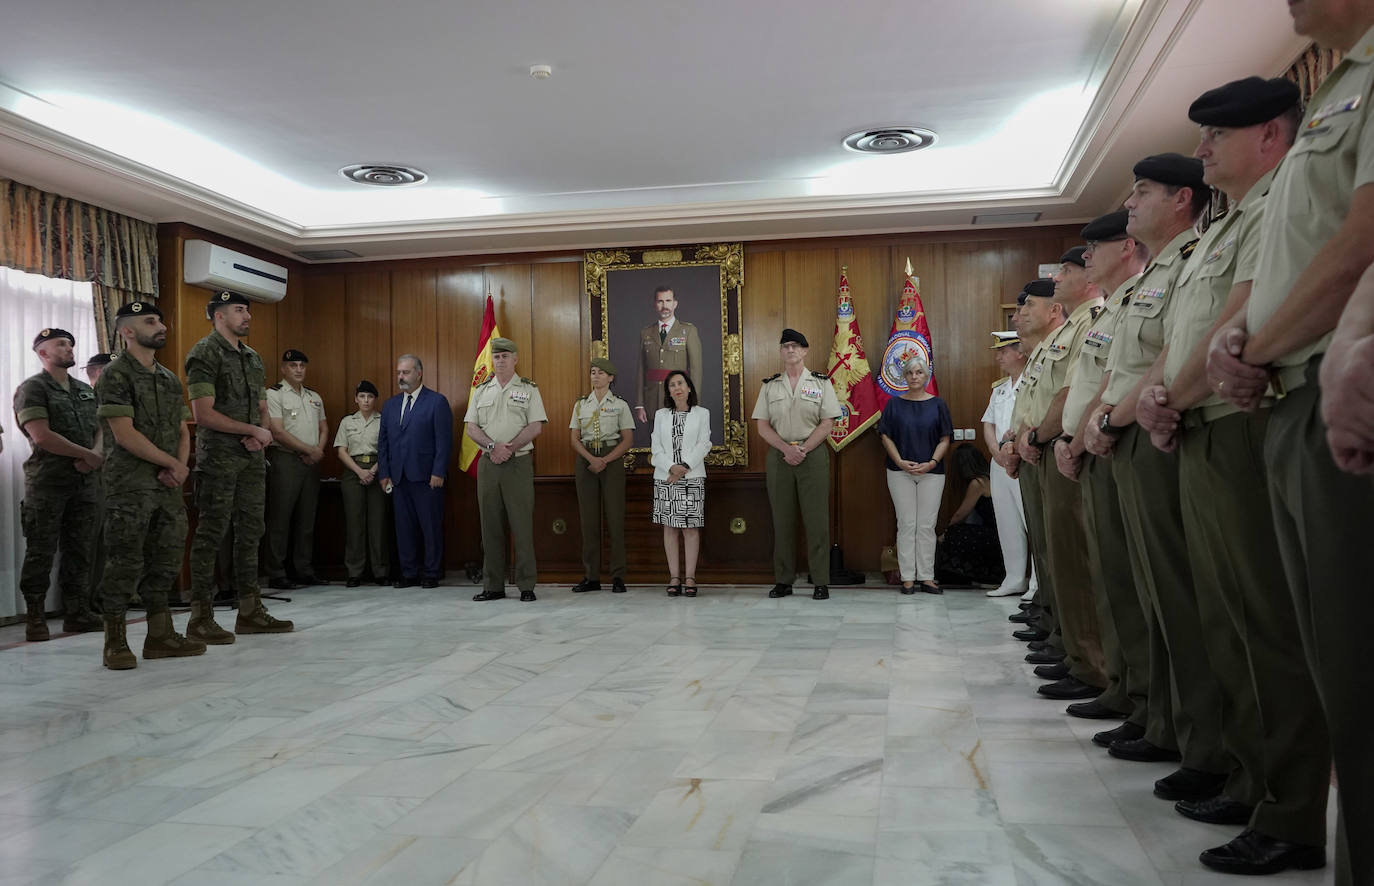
(53, 520)
(145, 536)
(233, 494)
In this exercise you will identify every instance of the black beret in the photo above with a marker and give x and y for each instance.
(1171, 169)
(291, 355)
(1020, 298)
(1041, 288)
(52, 333)
(1247, 102)
(224, 299)
(792, 335)
(1111, 226)
(366, 387)
(137, 309)
(1074, 256)
(99, 360)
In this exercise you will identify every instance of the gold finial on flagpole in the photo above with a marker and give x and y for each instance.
(844, 269)
(908, 266)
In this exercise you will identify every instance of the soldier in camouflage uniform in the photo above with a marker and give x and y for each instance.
(56, 412)
(227, 385)
(147, 445)
(94, 367)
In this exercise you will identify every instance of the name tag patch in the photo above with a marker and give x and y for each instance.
(811, 393)
(677, 341)
(520, 397)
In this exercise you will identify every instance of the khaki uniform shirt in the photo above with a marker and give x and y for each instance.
(502, 413)
(236, 379)
(1313, 189)
(358, 436)
(794, 412)
(1139, 335)
(1091, 363)
(300, 414)
(1035, 363)
(601, 422)
(1225, 256)
(1062, 348)
(156, 401)
(70, 411)
(680, 349)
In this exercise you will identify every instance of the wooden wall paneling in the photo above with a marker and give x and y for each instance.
(509, 286)
(414, 327)
(810, 277)
(367, 354)
(562, 356)
(295, 328)
(327, 348)
(459, 318)
(761, 312)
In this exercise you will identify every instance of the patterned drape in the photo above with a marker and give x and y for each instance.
(1311, 69)
(58, 237)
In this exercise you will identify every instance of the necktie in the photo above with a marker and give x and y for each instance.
(405, 408)
(662, 333)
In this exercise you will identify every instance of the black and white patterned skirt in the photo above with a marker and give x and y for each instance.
(681, 505)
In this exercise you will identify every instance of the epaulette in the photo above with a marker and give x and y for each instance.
(1001, 381)
(528, 382)
(281, 385)
(772, 378)
(816, 374)
(490, 379)
(1095, 311)
(1186, 249)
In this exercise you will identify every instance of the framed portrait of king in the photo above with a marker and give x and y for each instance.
(657, 310)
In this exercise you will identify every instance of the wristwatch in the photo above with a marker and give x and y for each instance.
(1105, 426)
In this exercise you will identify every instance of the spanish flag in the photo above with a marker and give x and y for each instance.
(910, 335)
(850, 375)
(481, 371)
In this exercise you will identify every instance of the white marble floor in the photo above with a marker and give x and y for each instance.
(414, 737)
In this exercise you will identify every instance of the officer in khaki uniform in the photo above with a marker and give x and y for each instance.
(794, 413)
(504, 416)
(1114, 261)
(1083, 674)
(1273, 716)
(295, 414)
(601, 430)
(56, 412)
(147, 446)
(226, 382)
(1315, 241)
(364, 500)
(1168, 199)
(667, 345)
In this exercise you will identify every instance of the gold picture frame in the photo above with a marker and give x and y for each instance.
(620, 286)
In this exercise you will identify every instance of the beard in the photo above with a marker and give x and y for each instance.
(154, 341)
(403, 384)
(66, 363)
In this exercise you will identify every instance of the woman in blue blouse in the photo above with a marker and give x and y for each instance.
(916, 429)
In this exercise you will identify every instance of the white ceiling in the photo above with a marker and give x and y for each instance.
(700, 120)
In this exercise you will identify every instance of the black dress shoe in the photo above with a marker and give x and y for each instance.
(1254, 853)
(406, 581)
(1215, 810)
(820, 593)
(909, 589)
(526, 596)
(618, 586)
(1142, 751)
(1093, 710)
(1036, 645)
(353, 582)
(489, 595)
(1069, 687)
(1124, 732)
(781, 590)
(429, 582)
(1057, 671)
(282, 583)
(1024, 604)
(1191, 785)
(1045, 656)
(1020, 617)
(1029, 634)
(586, 584)
(311, 581)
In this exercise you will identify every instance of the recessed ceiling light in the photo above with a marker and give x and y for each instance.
(383, 175)
(889, 140)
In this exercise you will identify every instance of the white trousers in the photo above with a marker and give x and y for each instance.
(917, 500)
(1011, 527)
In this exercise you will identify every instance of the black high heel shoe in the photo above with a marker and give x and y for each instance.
(690, 590)
(674, 587)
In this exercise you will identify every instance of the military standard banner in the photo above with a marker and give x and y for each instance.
(850, 375)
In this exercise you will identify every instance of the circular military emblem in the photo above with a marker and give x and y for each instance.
(136, 307)
(225, 296)
(45, 333)
(840, 429)
(902, 347)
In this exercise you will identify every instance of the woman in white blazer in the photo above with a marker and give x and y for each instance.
(681, 440)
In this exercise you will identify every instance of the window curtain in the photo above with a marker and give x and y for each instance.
(1311, 69)
(30, 303)
(65, 239)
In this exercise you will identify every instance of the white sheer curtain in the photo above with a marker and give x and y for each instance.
(28, 304)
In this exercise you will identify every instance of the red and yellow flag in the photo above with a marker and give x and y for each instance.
(910, 335)
(481, 371)
(850, 375)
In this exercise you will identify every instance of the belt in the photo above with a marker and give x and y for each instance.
(597, 447)
(365, 461)
(1283, 379)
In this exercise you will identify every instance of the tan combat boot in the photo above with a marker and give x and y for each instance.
(254, 618)
(202, 625)
(35, 623)
(118, 656)
(164, 642)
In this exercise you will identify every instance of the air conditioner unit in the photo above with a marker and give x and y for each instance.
(217, 268)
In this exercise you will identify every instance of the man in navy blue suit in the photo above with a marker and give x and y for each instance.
(413, 448)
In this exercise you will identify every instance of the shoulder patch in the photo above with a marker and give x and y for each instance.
(772, 378)
(1187, 249)
(820, 375)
